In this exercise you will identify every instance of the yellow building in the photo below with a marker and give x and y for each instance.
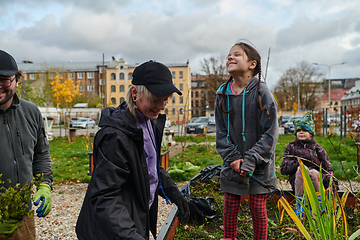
(118, 82)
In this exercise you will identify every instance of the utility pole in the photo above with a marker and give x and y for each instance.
(102, 86)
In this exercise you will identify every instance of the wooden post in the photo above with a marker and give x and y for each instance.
(72, 134)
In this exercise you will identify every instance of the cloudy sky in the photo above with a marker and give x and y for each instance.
(174, 31)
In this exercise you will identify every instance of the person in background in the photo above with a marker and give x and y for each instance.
(24, 150)
(246, 135)
(313, 156)
(121, 201)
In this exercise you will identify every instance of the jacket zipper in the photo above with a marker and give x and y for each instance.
(12, 147)
(21, 142)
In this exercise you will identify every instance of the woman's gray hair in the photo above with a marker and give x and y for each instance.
(142, 92)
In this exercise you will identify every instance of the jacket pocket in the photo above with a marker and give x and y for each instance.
(231, 175)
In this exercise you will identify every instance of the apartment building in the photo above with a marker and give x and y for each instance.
(198, 95)
(111, 80)
(85, 74)
(118, 82)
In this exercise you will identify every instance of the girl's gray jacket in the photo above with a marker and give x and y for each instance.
(24, 147)
(247, 133)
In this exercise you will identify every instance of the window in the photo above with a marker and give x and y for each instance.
(113, 101)
(173, 111)
(196, 94)
(174, 99)
(113, 88)
(166, 111)
(196, 103)
(102, 82)
(90, 88)
(103, 95)
(112, 76)
(122, 88)
(130, 76)
(173, 74)
(181, 74)
(81, 75)
(101, 70)
(181, 87)
(181, 100)
(122, 100)
(71, 75)
(192, 94)
(32, 76)
(121, 76)
(90, 75)
(81, 88)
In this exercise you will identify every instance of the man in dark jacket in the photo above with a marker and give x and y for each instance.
(122, 197)
(24, 150)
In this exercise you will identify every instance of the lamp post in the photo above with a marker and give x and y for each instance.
(329, 66)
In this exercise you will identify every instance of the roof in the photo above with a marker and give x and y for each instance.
(336, 94)
(61, 66)
(81, 105)
(353, 93)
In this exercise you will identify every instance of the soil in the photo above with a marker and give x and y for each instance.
(203, 228)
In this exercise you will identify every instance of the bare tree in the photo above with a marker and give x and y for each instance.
(216, 74)
(300, 81)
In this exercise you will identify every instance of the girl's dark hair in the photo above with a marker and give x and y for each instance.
(253, 55)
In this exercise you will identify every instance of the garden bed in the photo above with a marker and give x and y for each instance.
(208, 229)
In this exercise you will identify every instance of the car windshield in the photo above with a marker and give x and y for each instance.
(293, 118)
(201, 120)
(83, 120)
(192, 120)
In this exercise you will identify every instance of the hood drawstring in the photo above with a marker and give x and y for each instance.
(243, 115)
(228, 132)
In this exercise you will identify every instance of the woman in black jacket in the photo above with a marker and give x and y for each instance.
(122, 197)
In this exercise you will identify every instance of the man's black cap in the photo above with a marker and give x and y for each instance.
(8, 66)
(156, 77)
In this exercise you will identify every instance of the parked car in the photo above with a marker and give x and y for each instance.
(167, 122)
(289, 125)
(192, 120)
(333, 119)
(283, 119)
(83, 122)
(72, 121)
(200, 123)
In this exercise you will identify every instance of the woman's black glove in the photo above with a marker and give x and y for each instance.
(183, 206)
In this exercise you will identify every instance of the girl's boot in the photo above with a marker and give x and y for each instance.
(299, 210)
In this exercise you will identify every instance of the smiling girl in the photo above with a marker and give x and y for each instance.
(246, 136)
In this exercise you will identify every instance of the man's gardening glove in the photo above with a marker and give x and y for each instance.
(43, 194)
(183, 206)
(8, 226)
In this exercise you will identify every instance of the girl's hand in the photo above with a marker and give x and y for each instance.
(243, 173)
(236, 165)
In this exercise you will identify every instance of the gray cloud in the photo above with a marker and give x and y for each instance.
(307, 31)
(86, 29)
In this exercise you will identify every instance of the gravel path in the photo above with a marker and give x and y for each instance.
(67, 201)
